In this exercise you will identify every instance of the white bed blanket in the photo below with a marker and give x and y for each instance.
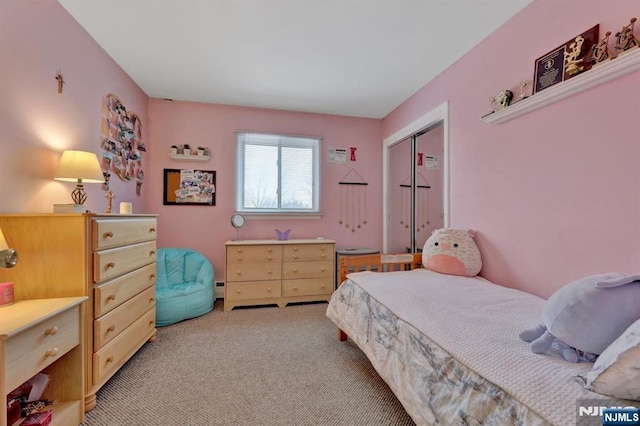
(478, 322)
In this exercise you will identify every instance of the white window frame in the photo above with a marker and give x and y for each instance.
(279, 212)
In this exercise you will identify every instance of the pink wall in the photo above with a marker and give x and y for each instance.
(205, 228)
(554, 194)
(37, 39)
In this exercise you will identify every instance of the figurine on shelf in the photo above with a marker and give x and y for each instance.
(504, 98)
(523, 84)
(492, 104)
(186, 149)
(625, 39)
(572, 57)
(601, 52)
(173, 150)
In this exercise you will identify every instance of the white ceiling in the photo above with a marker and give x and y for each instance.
(349, 57)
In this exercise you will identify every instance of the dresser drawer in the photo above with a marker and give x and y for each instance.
(319, 269)
(110, 358)
(307, 287)
(113, 262)
(252, 254)
(112, 294)
(41, 345)
(109, 233)
(253, 272)
(109, 326)
(302, 252)
(252, 290)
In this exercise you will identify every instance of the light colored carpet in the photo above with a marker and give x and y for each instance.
(250, 366)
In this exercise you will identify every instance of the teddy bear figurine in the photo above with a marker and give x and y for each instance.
(586, 316)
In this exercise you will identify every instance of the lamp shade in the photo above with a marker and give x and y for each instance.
(79, 166)
(3, 242)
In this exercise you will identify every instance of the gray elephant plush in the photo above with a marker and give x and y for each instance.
(586, 316)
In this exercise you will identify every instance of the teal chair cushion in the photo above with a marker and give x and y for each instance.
(184, 285)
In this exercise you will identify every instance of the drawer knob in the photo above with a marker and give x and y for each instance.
(269, 249)
(295, 288)
(150, 322)
(268, 290)
(322, 269)
(152, 253)
(269, 257)
(323, 255)
(111, 297)
(110, 359)
(238, 291)
(322, 286)
(108, 234)
(295, 249)
(51, 331)
(110, 265)
(239, 273)
(151, 300)
(239, 259)
(295, 257)
(323, 248)
(269, 272)
(239, 250)
(51, 352)
(152, 276)
(152, 230)
(295, 270)
(111, 328)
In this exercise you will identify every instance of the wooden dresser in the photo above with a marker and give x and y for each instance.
(108, 258)
(264, 272)
(44, 336)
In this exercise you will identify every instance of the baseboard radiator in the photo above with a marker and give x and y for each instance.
(218, 290)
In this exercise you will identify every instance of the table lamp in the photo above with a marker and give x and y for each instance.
(8, 256)
(80, 167)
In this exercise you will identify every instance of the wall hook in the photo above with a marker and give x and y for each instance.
(60, 82)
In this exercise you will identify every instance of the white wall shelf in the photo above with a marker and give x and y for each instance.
(182, 157)
(624, 64)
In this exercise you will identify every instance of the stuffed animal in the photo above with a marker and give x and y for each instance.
(453, 252)
(586, 316)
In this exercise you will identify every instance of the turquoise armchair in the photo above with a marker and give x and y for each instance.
(184, 285)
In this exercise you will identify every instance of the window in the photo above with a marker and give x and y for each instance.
(277, 173)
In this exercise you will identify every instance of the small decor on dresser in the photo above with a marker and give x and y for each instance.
(283, 235)
(625, 40)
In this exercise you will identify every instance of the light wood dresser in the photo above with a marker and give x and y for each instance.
(45, 335)
(109, 258)
(264, 272)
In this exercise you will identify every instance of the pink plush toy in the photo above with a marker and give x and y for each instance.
(453, 252)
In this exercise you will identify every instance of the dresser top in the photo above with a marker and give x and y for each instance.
(284, 242)
(25, 313)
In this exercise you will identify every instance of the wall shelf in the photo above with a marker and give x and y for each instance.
(624, 64)
(182, 157)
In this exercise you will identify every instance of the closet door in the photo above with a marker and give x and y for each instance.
(429, 184)
(399, 197)
(415, 198)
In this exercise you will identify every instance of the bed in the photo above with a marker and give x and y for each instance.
(448, 345)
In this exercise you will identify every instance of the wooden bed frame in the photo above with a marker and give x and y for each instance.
(376, 263)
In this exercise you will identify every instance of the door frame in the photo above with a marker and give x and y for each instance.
(433, 117)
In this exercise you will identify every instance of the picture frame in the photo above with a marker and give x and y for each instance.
(552, 68)
(189, 187)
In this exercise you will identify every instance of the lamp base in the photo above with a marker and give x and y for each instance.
(69, 208)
